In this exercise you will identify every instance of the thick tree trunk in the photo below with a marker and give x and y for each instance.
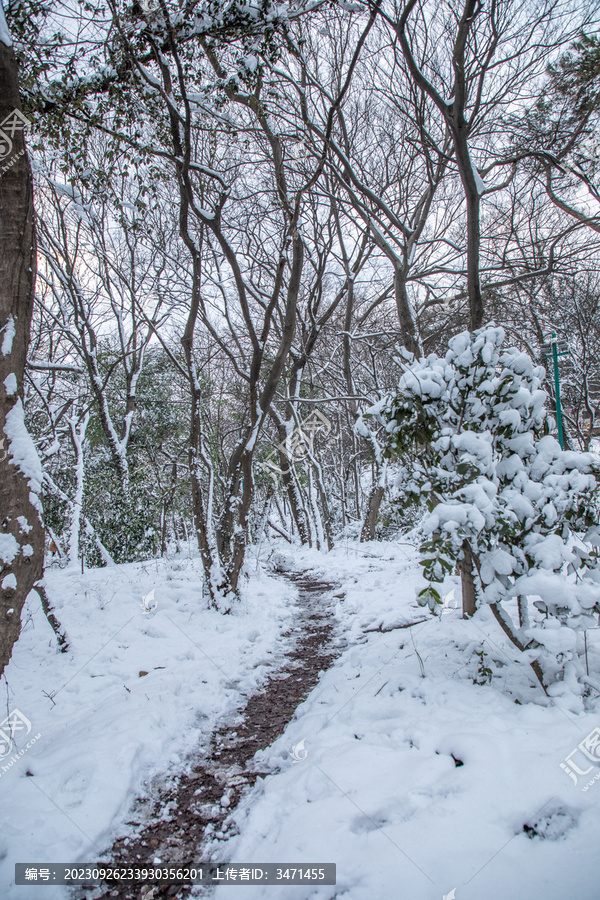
(21, 529)
(373, 504)
(406, 316)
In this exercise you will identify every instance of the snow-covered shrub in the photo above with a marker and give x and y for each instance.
(472, 432)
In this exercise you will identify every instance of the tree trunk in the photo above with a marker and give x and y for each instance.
(467, 582)
(473, 204)
(264, 516)
(454, 116)
(406, 316)
(50, 614)
(202, 517)
(324, 507)
(373, 504)
(240, 536)
(77, 431)
(290, 484)
(21, 528)
(507, 627)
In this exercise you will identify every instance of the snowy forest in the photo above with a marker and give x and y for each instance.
(300, 449)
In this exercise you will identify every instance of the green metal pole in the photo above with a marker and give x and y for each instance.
(557, 392)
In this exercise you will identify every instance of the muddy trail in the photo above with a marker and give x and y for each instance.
(181, 819)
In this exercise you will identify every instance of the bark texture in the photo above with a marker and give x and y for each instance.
(467, 582)
(21, 529)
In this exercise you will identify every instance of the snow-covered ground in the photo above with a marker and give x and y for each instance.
(377, 784)
(138, 690)
(380, 789)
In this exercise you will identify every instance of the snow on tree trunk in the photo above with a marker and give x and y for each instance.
(21, 529)
(77, 431)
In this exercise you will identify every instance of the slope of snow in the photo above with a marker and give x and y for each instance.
(381, 791)
(105, 729)
(379, 788)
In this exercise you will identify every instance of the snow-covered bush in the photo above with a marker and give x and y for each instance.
(505, 503)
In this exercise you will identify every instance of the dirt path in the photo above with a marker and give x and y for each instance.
(182, 818)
